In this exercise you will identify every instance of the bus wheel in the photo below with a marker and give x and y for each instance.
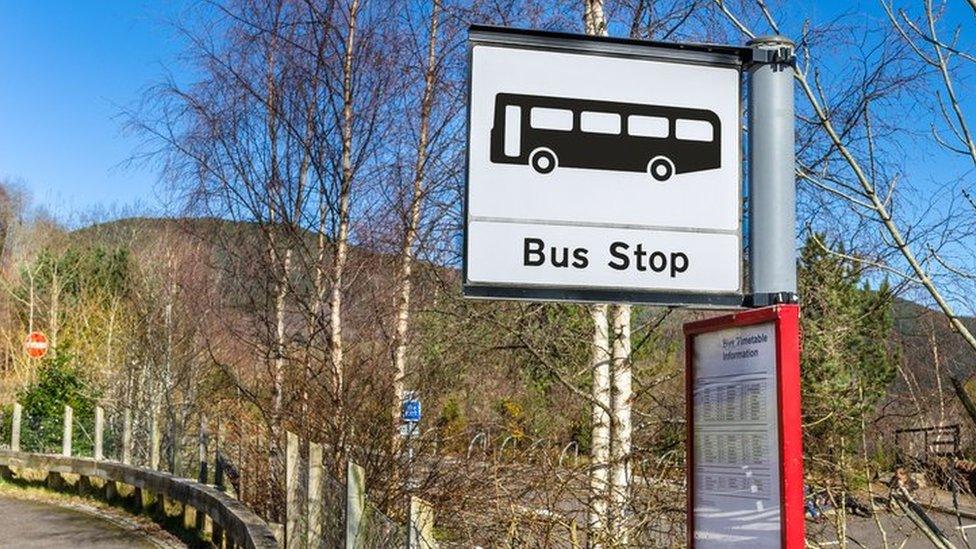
(543, 161)
(660, 168)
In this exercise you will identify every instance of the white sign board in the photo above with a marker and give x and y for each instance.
(736, 468)
(605, 172)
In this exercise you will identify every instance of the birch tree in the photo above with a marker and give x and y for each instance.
(599, 520)
(340, 244)
(403, 282)
(612, 393)
(621, 403)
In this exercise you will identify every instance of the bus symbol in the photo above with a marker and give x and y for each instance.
(549, 132)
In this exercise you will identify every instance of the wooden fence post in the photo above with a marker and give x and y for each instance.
(69, 418)
(127, 436)
(316, 537)
(99, 432)
(219, 459)
(421, 525)
(15, 428)
(202, 474)
(202, 450)
(293, 509)
(154, 443)
(355, 506)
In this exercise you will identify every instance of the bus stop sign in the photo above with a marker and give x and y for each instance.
(603, 170)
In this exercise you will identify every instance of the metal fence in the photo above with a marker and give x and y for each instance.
(321, 511)
(328, 512)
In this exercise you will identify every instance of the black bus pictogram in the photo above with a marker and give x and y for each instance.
(550, 132)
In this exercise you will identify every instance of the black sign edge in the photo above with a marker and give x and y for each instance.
(719, 54)
(731, 300)
(481, 34)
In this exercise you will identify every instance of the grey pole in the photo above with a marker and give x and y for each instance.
(772, 193)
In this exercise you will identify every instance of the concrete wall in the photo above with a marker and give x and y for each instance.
(241, 527)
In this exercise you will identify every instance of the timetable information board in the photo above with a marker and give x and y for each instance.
(745, 456)
(737, 500)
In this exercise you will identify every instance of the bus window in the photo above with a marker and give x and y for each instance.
(600, 122)
(513, 130)
(694, 130)
(647, 126)
(551, 119)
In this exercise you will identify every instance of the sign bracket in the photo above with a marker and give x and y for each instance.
(783, 55)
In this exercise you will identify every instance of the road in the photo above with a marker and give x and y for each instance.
(899, 530)
(30, 524)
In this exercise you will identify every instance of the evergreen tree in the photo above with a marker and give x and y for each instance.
(57, 383)
(846, 361)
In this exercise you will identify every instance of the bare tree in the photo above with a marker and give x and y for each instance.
(599, 519)
(621, 405)
(600, 522)
(403, 283)
(866, 192)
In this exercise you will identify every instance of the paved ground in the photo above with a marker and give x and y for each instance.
(30, 524)
(899, 530)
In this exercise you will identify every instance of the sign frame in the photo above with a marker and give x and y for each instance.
(714, 55)
(789, 419)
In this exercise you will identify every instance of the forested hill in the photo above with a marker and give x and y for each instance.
(930, 345)
(921, 335)
(240, 250)
(515, 371)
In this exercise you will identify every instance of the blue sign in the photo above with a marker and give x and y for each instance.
(411, 410)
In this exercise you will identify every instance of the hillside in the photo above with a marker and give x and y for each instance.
(917, 329)
(921, 337)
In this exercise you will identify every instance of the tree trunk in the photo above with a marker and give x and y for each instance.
(403, 285)
(600, 443)
(599, 519)
(307, 374)
(341, 243)
(279, 268)
(278, 390)
(621, 421)
(55, 316)
(593, 19)
(281, 293)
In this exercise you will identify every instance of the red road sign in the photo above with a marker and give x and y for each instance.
(744, 446)
(36, 344)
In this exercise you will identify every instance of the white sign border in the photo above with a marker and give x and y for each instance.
(690, 54)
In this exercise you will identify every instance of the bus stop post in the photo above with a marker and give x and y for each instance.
(772, 192)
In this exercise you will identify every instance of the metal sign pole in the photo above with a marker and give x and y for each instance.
(772, 193)
(406, 485)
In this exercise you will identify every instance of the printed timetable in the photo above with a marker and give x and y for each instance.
(736, 480)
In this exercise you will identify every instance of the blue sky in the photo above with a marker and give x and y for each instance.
(68, 69)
